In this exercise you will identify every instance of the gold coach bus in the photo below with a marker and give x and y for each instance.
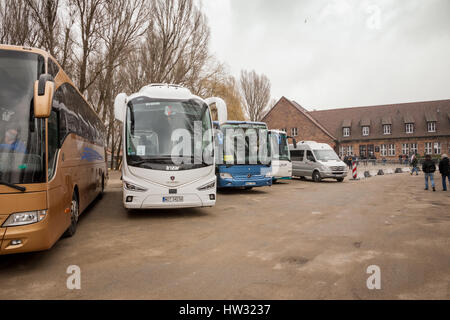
(52, 151)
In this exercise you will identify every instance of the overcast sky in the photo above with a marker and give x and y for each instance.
(326, 54)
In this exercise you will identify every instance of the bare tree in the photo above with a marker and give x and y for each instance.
(16, 24)
(256, 94)
(89, 18)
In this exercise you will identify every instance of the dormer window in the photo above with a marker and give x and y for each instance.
(346, 132)
(431, 126)
(409, 128)
(387, 129)
(365, 130)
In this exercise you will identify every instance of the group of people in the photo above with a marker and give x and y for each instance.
(429, 168)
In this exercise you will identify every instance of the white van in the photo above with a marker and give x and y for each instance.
(316, 160)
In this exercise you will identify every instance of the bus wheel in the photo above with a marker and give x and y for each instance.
(316, 176)
(248, 188)
(103, 187)
(74, 214)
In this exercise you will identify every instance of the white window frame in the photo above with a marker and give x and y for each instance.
(409, 128)
(383, 150)
(349, 150)
(437, 148)
(431, 126)
(387, 129)
(342, 150)
(294, 132)
(428, 147)
(346, 132)
(391, 150)
(405, 148)
(365, 131)
(413, 148)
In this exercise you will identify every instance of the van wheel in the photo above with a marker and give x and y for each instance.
(302, 178)
(74, 214)
(316, 176)
(340, 179)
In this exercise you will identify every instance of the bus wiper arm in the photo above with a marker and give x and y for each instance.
(23, 189)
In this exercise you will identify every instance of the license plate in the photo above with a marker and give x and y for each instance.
(250, 183)
(173, 199)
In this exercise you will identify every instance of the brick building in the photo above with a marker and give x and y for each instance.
(385, 131)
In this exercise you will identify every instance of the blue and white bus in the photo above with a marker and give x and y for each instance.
(242, 155)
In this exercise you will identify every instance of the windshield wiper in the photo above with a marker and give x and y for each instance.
(23, 189)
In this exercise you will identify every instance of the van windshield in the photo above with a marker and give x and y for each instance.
(325, 155)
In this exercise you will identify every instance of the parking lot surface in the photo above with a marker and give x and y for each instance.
(294, 240)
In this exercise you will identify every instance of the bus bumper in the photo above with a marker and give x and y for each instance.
(136, 200)
(234, 183)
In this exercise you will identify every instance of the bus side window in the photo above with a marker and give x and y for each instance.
(302, 155)
(52, 68)
(53, 143)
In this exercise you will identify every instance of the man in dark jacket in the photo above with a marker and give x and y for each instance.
(428, 167)
(444, 170)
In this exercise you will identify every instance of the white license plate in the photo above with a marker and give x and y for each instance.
(173, 199)
(250, 183)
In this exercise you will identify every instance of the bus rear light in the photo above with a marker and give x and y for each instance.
(24, 218)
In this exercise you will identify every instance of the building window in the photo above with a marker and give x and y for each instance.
(413, 148)
(432, 126)
(365, 131)
(283, 129)
(409, 128)
(428, 148)
(342, 151)
(437, 148)
(387, 129)
(349, 150)
(383, 150)
(294, 132)
(405, 148)
(392, 150)
(346, 132)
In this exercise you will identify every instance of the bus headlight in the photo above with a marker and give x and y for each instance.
(24, 218)
(133, 187)
(226, 175)
(207, 186)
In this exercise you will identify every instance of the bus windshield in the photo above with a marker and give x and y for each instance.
(245, 140)
(280, 143)
(22, 156)
(326, 155)
(156, 128)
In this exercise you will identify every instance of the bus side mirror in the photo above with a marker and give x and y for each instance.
(120, 105)
(43, 96)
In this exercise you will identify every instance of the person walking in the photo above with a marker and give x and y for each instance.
(428, 167)
(444, 169)
(414, 163)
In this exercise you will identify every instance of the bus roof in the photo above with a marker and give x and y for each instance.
(245, 122)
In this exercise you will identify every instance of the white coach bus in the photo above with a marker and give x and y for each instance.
(168, 150)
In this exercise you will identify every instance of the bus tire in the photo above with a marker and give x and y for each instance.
(316, 176)
(74, 214)
(248, 188)
(302, 178)
(102, 190)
